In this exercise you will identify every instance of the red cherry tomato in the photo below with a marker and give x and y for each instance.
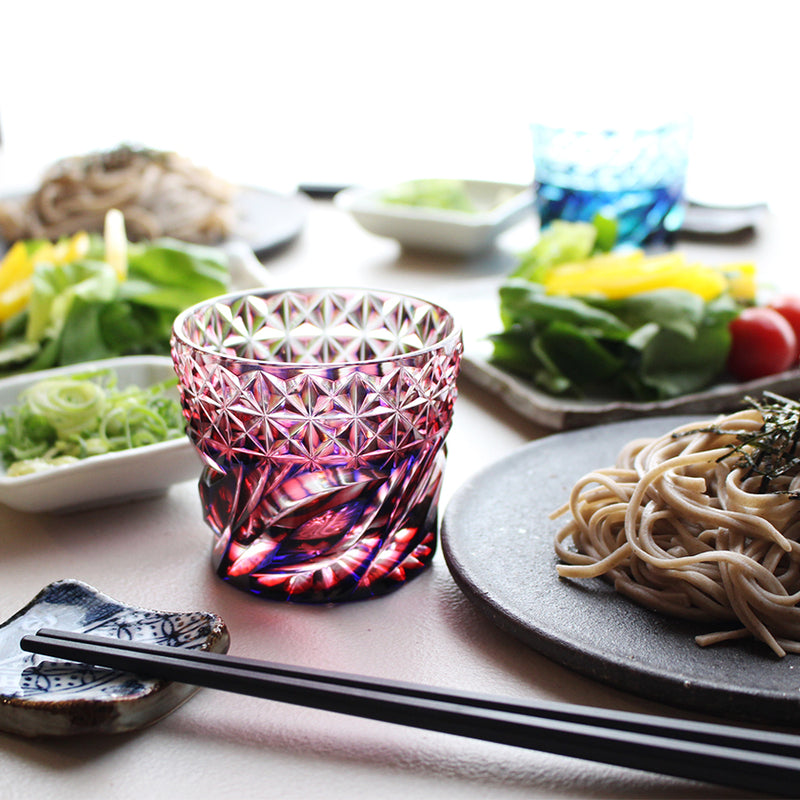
(762, 343)
(788, 306)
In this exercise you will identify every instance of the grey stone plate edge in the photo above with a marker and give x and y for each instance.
(736, 696)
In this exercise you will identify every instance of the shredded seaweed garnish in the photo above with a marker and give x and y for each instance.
(772, 450)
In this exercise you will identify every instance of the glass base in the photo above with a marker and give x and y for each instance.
(325, 536)
(334, 583)
(648, 216)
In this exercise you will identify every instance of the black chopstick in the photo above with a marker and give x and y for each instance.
(765, 761)
(708, 733)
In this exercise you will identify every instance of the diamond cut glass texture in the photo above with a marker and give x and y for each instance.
(320, 416)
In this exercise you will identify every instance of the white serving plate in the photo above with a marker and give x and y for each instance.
(104, 479)
(500, 205)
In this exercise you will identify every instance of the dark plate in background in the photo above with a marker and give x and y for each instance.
(268, 221)
(497, 539)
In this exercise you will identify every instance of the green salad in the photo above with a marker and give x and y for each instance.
(62, 419)
(440, 193)
(90, 297)
(582, 319)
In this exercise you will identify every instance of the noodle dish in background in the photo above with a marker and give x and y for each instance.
(160, 193)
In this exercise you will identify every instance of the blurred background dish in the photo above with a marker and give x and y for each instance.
(263, 220)
(267, 221)
(160, 194)
(450, 216)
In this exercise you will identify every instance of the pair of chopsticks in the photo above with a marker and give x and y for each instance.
(765, 761)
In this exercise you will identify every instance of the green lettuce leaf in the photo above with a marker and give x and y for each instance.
(81, 311)
(561, 242)
(672, 309)
(55, 289)
(672, 365)
(652, 345)
(526, 303)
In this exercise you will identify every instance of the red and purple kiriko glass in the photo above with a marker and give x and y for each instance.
(320, 416)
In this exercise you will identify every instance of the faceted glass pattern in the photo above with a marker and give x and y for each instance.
(320, 416)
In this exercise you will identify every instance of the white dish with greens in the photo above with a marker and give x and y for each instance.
(92, 434)
(460, 217)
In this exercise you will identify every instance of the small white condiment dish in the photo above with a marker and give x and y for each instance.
(104, 479)
(498, 206)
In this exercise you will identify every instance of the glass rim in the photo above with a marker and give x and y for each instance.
(612, 123)
(178, 327)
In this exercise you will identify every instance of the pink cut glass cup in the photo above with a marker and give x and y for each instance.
(320, 416)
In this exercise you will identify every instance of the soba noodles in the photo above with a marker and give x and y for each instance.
(159, 193)
(682, 525)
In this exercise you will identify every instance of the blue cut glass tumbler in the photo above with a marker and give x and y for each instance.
(635, 175)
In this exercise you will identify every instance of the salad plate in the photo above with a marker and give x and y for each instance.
(102, 479)
(498, 542)
(497, 206)
(565, 413)
(41, 696)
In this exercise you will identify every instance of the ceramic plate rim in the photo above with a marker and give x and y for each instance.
(712, 680)
(560, 414)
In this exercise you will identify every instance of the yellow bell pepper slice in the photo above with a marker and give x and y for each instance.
(741, 280)
(617, 276)
(18, 264)
(15, 266)
(16, 270)
(65, 251)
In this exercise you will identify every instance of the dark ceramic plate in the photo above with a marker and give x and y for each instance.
(42, 696)
(497, 540)
(267, 221)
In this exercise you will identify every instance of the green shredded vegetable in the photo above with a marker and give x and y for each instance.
(67, 418)
(448, 195)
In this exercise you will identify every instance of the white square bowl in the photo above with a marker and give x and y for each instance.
(499, 207)
(109, 478)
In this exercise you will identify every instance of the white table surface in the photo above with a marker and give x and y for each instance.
(155, 553)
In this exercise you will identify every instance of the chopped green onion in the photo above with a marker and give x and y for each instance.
(59, 420)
